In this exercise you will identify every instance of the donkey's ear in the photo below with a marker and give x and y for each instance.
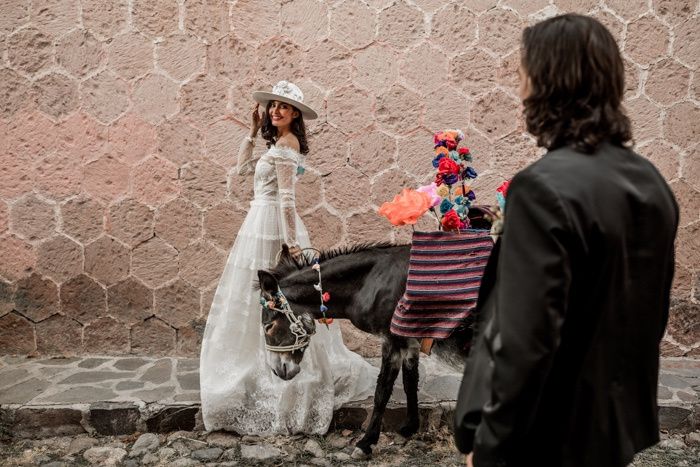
(285, 254)
(309, 323)
(268, 283)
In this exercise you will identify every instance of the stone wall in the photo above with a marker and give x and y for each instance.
(120, 122)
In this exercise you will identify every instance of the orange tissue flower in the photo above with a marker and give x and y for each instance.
(460, 192)
(451, 134)
(407, 207)
(441, 150)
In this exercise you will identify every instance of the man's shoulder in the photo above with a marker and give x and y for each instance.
(565, 165)
(610, 173)
(552, 166)
(565, 173)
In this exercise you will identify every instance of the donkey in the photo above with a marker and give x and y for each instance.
(367, 282)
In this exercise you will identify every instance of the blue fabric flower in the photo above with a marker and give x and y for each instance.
(446, 205)
(436, 161)
(461, 210)
(471, 195)
(501, 201)
(469, 172)
(450, 179)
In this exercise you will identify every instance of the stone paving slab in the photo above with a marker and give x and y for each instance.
(121, 395)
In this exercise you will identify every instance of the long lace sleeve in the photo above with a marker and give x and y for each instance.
(245, 157)
(286, 162)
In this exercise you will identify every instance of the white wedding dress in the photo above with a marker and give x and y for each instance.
(239, 391)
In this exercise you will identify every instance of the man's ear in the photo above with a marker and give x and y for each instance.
(268, 283)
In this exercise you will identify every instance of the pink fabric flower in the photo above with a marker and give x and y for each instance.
(431, 190)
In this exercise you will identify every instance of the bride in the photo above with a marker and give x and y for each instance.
(238, 389)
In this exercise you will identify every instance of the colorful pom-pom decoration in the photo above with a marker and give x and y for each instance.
(453, 178)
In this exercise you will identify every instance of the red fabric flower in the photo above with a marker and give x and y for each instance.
(438, 179)
(326, 296)
(463, 151)
(503, 189)
(451, 221)
(448, 166)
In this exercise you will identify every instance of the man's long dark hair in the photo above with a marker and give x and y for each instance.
(269, 131)
(577, 82)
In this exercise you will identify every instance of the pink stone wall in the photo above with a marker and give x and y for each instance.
(120, 122)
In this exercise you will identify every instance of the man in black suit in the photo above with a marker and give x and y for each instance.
(575, 298)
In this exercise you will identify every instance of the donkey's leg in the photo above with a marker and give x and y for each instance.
(410, 386)
(391, 363)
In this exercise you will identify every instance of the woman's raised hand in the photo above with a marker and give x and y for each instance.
(256, 120)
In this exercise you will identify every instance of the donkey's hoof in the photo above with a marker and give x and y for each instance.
(358, 454)
(408, 431)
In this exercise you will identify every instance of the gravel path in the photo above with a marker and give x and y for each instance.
(182, 449)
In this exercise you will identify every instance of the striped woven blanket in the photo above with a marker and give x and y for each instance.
(444, 275)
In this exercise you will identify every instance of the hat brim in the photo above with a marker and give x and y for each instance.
(263, 98)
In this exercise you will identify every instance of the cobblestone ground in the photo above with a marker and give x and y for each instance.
(181, 449)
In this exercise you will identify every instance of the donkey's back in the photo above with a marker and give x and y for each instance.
(381, 289)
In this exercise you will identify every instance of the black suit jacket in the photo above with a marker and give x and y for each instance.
(572, 307)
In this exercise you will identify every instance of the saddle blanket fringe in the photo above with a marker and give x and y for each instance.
(444, 275)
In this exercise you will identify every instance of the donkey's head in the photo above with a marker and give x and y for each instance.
(365, 281)
(287, 333)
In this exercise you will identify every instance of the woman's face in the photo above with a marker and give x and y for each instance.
(282, 114)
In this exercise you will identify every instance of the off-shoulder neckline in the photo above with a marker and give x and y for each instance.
(285, 148)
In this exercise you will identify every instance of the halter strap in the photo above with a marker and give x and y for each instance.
(301, 336)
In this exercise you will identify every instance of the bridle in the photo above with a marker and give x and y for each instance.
(301, 335)
(302, 338)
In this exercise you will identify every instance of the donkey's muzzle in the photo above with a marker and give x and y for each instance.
(283, 365)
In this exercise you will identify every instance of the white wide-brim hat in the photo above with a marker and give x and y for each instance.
(287, 92)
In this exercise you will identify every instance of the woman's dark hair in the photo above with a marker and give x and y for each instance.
(577, 82)
(269, 132)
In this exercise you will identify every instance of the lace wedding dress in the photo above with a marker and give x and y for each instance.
(239, 391)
